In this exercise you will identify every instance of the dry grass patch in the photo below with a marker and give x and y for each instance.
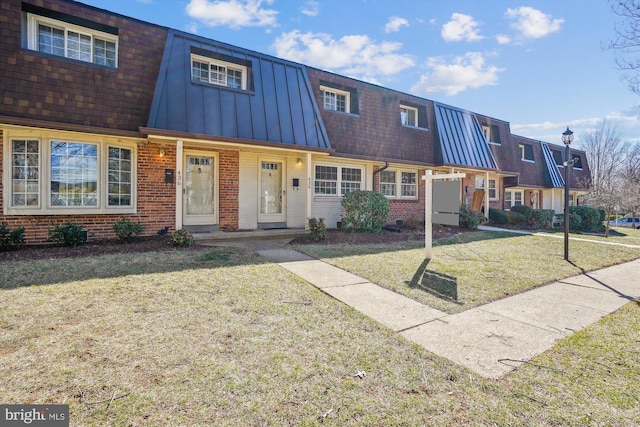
(223, 338)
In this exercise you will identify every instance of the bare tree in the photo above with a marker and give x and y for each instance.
(605, 155)
(627, 42)
(631, 178)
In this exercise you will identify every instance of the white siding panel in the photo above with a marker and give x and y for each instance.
(248, 197)
(328, 208)
(296, 197)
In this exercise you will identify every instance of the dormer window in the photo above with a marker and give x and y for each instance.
(526, 153)
(71, 41)
(335, 100)
(209, 70)
(577, 161)
(491, 133)
(408, 116)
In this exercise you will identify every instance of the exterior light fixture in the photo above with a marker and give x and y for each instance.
(299, 161)
(567, 137)
(162, 152)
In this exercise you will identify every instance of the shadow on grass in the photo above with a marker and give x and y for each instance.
(600, 282)
(44, 272)
(437, 284)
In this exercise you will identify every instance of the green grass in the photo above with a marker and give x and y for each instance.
(487, 265)
(221, 337)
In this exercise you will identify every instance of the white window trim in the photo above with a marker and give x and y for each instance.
(512, 202)
(228, 65)
(398, 184)
(44, 203)
(415, 111)
(495, 187)
(32, 35)
(339, 178)
(522, 154)
(347, 99)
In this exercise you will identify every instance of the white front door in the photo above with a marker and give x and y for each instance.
(271, 206)
(199, 191)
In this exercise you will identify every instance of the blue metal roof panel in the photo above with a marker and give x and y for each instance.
(552, 174)
(278, 105)
(461, 138)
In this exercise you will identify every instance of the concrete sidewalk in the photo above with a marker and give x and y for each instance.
(492, 339)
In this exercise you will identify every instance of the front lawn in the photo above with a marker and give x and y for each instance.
(487, 265)
(221, 337)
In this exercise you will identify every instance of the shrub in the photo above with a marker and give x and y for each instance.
(414, 222)
(182, 238)
(497, 216)
(575, 221)
(515, 218)
(364, 211)
(542, 218)
(69, 234)
(589, 218)
(470, 219)
(317, 229)
(126, 230)
(10, 239)
(523, 210)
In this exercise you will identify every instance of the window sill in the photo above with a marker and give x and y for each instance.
(71, 60)
(415, 128)
(67, 211)
(527, 161)
(494, 143)
(226, 88)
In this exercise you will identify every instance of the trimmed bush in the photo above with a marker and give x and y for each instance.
(10, 239)
(364, 211)
(523, 210)
(470, 219)
(589, 218)
(542, 218)
(317, 229)
(69, 234)
(497, 216)
(126, 230)
(515, 218)
(182, 238)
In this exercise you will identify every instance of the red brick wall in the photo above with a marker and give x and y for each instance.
(403, 209)
(45, 87)
(156, 203)
(229, 182)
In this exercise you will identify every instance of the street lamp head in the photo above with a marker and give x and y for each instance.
(567, 136)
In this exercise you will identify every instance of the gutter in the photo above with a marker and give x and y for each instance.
(375, 172)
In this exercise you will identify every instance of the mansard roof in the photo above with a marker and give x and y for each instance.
(277, 106)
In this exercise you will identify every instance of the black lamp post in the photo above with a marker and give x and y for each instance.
(567, 137)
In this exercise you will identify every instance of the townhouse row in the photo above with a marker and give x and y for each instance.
(105, 116)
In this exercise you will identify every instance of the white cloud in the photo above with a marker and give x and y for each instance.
(354, 55)
(192, 28)
(461, 27)
(627, 123)
(310, 8)
(395, 24)
(464, 72)
(232, 13)
(503, 39)
(532, 23)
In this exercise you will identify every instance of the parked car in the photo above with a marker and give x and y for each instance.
(625, 222)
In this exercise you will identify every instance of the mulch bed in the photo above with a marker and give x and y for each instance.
(163, 243)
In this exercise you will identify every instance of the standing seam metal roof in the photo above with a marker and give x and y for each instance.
(461, 139)
(554, 175)
(277, 107)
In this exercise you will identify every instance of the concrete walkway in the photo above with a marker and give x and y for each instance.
(490, 340)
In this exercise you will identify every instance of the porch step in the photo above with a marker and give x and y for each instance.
(249, 234)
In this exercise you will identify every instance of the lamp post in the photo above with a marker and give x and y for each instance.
(567, 137)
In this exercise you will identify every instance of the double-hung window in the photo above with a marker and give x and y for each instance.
(512, 198)
(399, 184)
(209, 70)
(493, 195)
(337, 180)
(60, 176)
(335, 100)
(526, 152)
(408, 116)
(60, 38)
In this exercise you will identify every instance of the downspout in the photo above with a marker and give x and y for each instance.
(375, 172)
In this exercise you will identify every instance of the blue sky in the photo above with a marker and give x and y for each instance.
(539, 64)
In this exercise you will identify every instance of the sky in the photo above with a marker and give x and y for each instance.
(540, 65)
